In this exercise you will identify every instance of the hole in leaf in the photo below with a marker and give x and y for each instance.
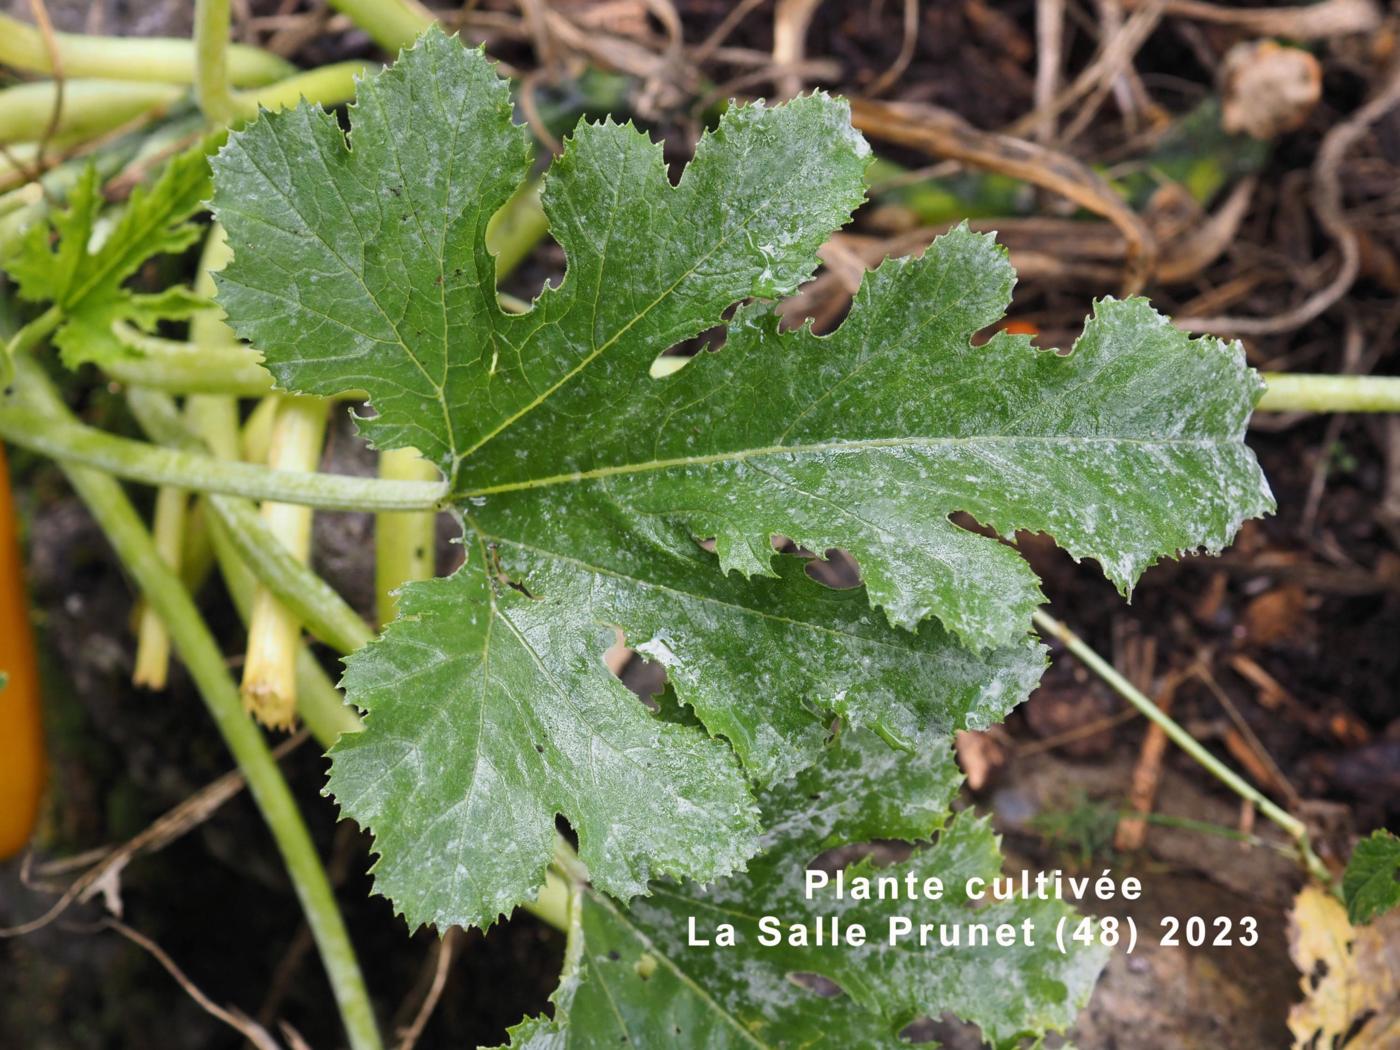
(881, 853)
(815, 983)
(565, 830)
(947, 1030)
(642, 670)
(673, 359)
(837, 570)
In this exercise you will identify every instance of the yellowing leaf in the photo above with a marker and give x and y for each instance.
(1351, 976)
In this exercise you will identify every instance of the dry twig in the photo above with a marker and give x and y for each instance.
(1327, 206)
(235, 1019)
(168, 827)
(790, 21)
(943, 134)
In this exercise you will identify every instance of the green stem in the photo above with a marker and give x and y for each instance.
(93, 107)
(188, 368)
(313, 601)
(255, 438)
(405, 542)
(90, 107)
(392, 24)
(326, 86)
(197, 554)
(152, 665)
(1294, 392)
(274, 632)
(163, 59)
(28, 337)
(211, 87)
(514, 231)
(73, 442)
(564, 880)
(1184, 740)
(322, 708)
(129, 538)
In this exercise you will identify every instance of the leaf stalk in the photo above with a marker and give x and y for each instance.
(197, 648)
(69, 441)
(1294, 827)
(160, 59)
(211, 85)
(392, 24)
(1295, 392)
(274, 632)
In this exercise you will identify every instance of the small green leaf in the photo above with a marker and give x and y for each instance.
(1371, 882)
(87, 283)
(633, 979)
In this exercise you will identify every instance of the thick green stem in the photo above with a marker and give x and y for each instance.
(152, 666)
(28, 337)
(86, 446)
(392, 24)
(405, 543)
(211, 87)
(313, 601)
(554, 902)
(197, 648)
(162, 59)
(189, 368)
(197, 554)
(256, 436)
(325, 86)
(1184, 740)
(90, 108)
(274, 631)
(1294, 392)
(322, 708)
(515, 230)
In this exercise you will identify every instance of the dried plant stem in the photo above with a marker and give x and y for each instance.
(274, 632)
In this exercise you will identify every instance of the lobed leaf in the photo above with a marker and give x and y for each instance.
(1371, 882)
(634, 980)
(586, 485)
(57, 262)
